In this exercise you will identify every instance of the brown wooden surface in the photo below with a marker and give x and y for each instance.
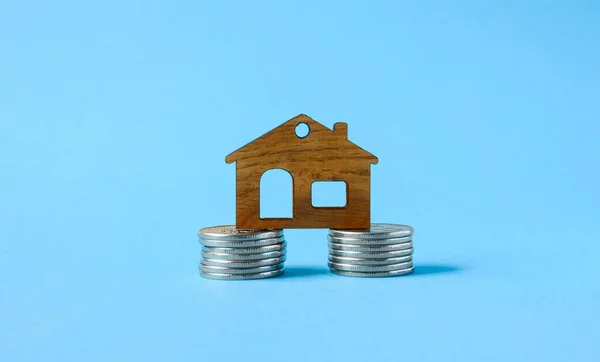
(323, 155)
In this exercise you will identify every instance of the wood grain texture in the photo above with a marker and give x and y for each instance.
(323, 155)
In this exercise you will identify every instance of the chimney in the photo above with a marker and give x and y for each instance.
(340, 129)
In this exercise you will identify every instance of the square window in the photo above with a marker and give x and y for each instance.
(328, 194)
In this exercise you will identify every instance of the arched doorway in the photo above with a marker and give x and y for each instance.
(276, 194)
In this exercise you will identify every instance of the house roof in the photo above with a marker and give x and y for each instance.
(319, 139)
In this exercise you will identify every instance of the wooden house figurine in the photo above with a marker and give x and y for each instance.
(321, 155)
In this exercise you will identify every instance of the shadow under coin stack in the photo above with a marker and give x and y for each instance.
(229, 253)
(384, 250)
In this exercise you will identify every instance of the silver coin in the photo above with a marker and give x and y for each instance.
(392, 273)
(370, 247)
(377, 231)
(230, 232)
(242, 257)
(249, 250)
(242, 264)
(358, 241)
(224, 276)
(370, 255)
(369, 268)
(357, 261)
(249, 243)
(223, 270)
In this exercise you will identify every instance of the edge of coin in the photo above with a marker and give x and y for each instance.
(368, 241)
(246, 243)
(369, 268)
(373, 262)
(259, 233)
(242, 257)
(393, 273)
(402, 230)
(247, 250)
(244, 264)
(256, 276)
(370, 247)
(371, 255)
(225, 270)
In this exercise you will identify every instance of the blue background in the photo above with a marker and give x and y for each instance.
(116, 116)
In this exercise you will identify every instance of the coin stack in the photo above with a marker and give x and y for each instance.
(230, 253)
(384, 250)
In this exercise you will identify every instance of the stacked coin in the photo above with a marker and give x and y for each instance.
(230, 253)
(382, 251)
